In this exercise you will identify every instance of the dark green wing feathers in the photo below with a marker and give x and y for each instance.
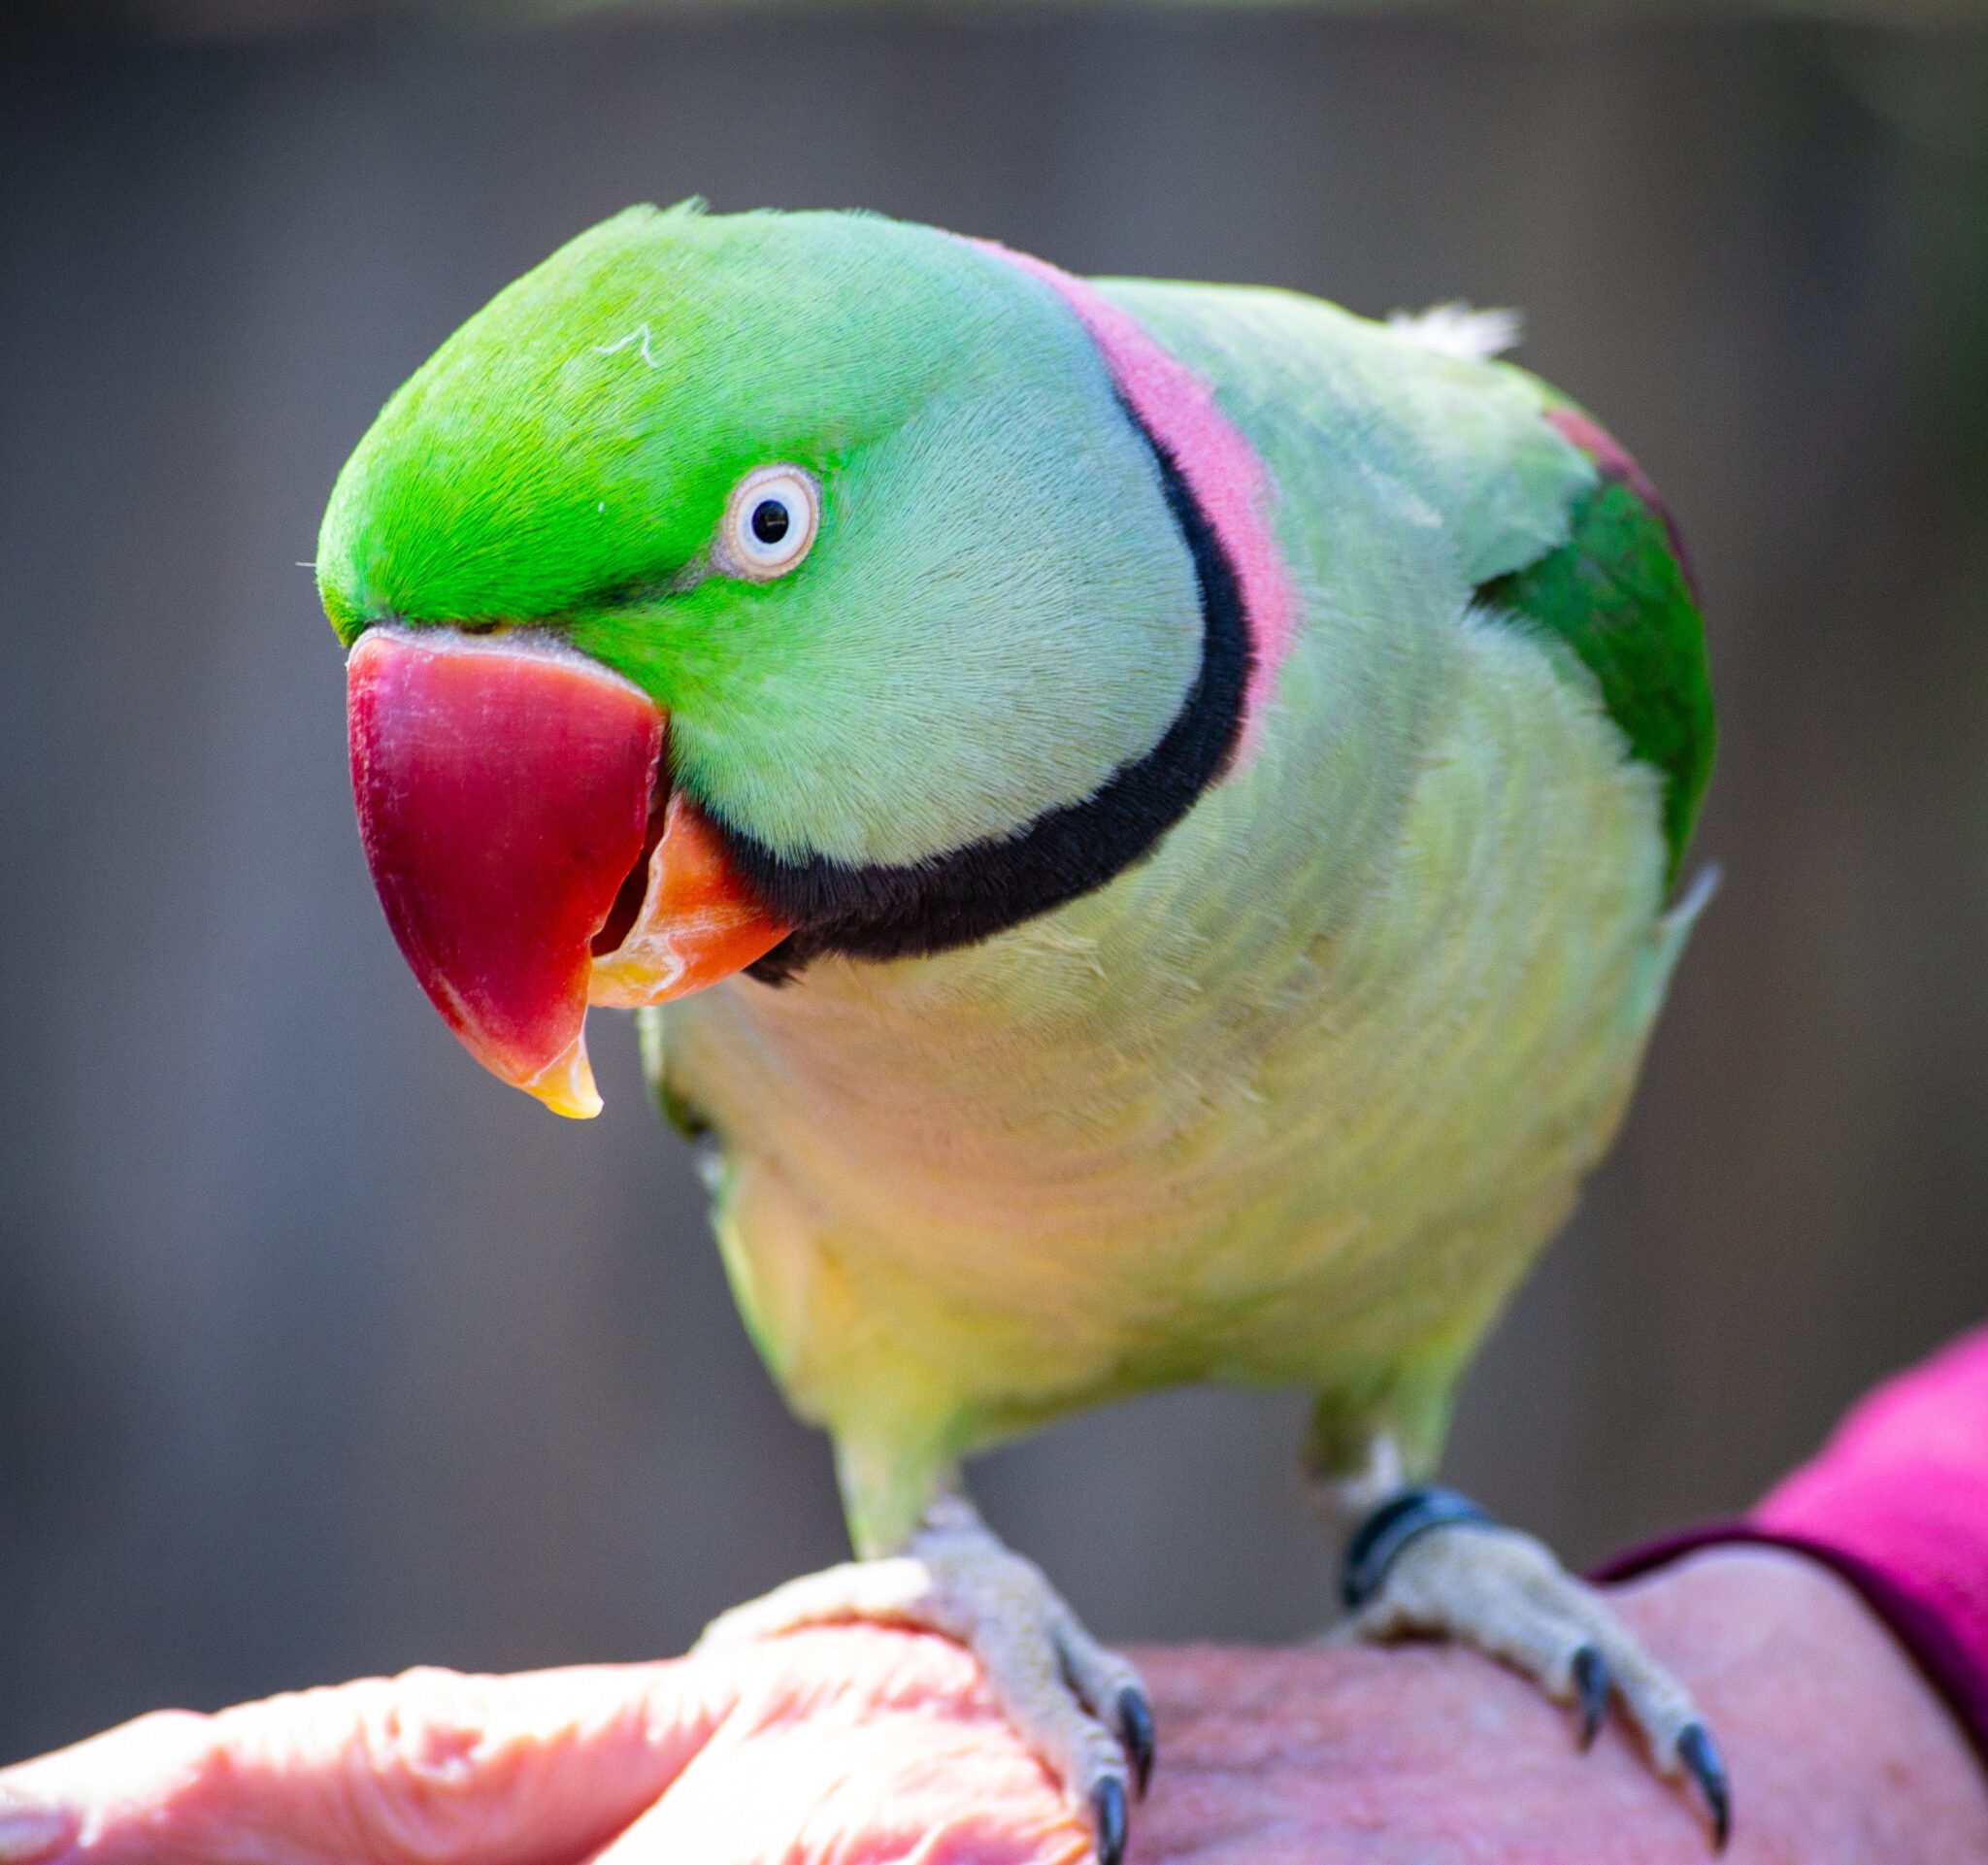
(1619, 594)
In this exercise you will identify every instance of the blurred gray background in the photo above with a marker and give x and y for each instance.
(321, 1353)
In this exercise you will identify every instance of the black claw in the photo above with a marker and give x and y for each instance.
(1108, 1808)
(1700, 1754)
(1136, 1732)
(1591, 1685)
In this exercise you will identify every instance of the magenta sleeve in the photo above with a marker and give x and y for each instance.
(1897, 1504)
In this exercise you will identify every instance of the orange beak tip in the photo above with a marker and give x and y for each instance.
(566, 1084)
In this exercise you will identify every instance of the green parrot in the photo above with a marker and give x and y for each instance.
(1142, 821)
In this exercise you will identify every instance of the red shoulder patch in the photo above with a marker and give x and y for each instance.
(1616, 463)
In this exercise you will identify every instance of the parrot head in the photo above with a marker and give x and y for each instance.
(736, 591)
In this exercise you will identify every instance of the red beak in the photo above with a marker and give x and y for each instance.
(508, 803)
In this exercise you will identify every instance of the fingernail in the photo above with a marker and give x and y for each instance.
(30, 1832)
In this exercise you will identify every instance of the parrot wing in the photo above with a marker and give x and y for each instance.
(1620, 595)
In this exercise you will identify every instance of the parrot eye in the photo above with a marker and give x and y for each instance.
(770, 522)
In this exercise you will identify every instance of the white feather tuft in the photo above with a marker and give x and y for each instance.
(1456, 330)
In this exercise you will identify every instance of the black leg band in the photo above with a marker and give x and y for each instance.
(1392, 1527)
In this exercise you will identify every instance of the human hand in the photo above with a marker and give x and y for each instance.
(858, 1746)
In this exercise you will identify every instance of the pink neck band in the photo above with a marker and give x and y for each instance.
(1222, 470)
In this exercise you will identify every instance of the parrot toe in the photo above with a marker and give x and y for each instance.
(1700, 1758)
(1430, 1563)
(1108, 1816)
(1082, 1708)
(1592, 1685)
(1136, 1733)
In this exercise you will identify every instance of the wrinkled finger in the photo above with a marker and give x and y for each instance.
(864, 1746)
(424, 1769)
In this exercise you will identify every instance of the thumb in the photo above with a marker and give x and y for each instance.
(428, 1768)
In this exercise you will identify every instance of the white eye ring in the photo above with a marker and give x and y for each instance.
(770, 522)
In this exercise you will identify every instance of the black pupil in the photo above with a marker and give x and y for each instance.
(769, 520)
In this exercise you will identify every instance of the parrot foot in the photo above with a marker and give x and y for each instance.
(1081, 1709)
(1429, 1562)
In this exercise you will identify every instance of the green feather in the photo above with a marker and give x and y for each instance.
(1616, 595)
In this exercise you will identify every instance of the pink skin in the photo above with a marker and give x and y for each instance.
(1220, 466)
(859, 1744)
